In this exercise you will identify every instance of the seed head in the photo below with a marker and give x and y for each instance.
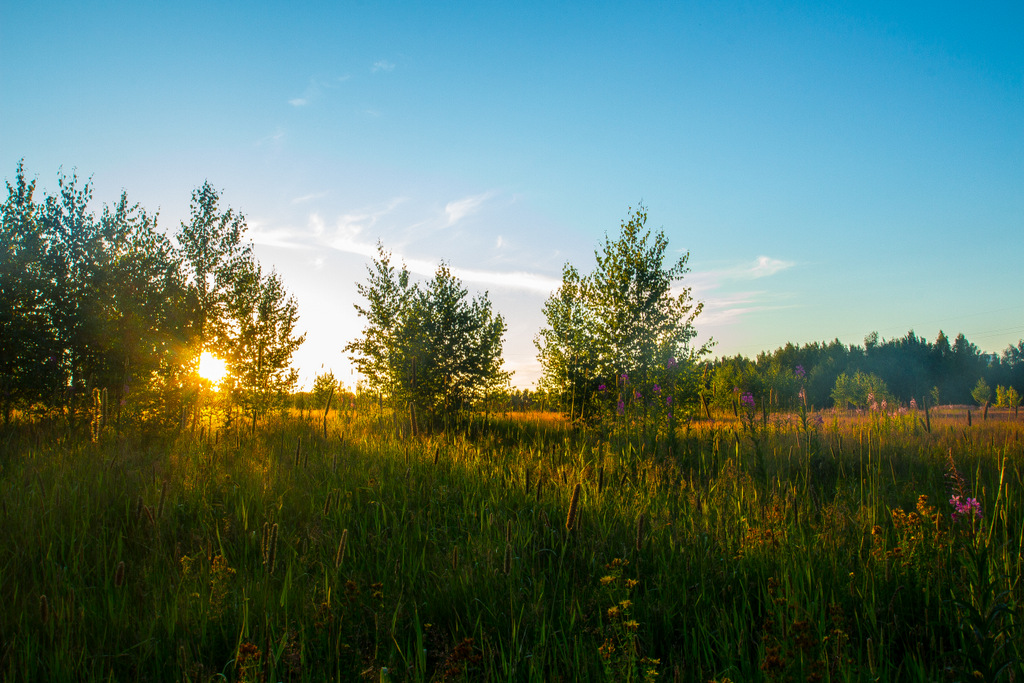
(574, 504)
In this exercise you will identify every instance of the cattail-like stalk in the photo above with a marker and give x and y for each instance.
(298, 450)
(455, 558)
(44, 609)
(565, 478)
(600, 479)
(508, 531)
(272, 550)
(119, 575)
(540, 483)
(437, 454)
(342, 542)
(327, 503)
(527, 480)
(163, 497)
(148, 512)
(507, 565)
(622, 482)
(574, 505)
(544, 518)
(640, 524)
(265, 542)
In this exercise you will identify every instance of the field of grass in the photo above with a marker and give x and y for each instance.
(517, 550)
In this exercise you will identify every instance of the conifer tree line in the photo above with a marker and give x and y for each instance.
(833, 374)
(110, 306)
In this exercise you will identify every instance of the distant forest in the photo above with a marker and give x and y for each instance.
(905, 369)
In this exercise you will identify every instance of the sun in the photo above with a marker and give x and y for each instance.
(212, 368)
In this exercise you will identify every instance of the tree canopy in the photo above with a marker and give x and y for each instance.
(427, 347)
(627, 321)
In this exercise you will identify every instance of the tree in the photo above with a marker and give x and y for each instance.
(259, 339)
(325, 385)
(862, 390)
(626, 319)
(427, 348)
(25, 327)
(566, 349)
(982, 394)
(214, 256)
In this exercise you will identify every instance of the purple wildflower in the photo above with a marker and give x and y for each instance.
(671, 363)
(747, 399)
(621, 407)
(625, 378)
(636, 393)
(657, 389)
(602, 388)
(966, 508)
(668, 400)
(800, 372)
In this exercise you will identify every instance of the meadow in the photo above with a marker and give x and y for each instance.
(822, 547)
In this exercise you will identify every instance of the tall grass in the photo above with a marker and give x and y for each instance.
(515, 550)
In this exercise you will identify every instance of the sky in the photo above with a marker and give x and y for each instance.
(831, 171)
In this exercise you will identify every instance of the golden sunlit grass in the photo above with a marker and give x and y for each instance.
(832, 556)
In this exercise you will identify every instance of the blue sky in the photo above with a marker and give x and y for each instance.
(831, 170)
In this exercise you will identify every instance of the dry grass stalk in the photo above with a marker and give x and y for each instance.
(507, 565)
(119, 575)
(327, 503)
(640, 524)
(342, 542)
(574, 505)
(273, 548)
(163, 497)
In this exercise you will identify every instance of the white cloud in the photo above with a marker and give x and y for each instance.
(382, 65)
(460, 208)
(307, 197)
(298, 102)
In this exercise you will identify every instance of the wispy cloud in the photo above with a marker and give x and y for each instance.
(456, 210)
(382, 65)
(315, 89)
(723, 308)
(309, 197)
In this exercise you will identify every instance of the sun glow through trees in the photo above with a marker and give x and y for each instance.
(212, 368)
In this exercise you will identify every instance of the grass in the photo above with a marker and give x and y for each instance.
(826, 553)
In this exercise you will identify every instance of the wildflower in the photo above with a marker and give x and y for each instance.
(621, 407)
(802, 394)
(800, 372)
(966, 508)
(884, 405)
(668, 400)
(613, 612)
(657, 389)
(747, 399)
(602, 388)
(626, 604)
(636, 393)
(913, 404)
(605, 580)
(631, 583)
(671, 363)
(871, 397)
(632, 624)
(625, 378)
